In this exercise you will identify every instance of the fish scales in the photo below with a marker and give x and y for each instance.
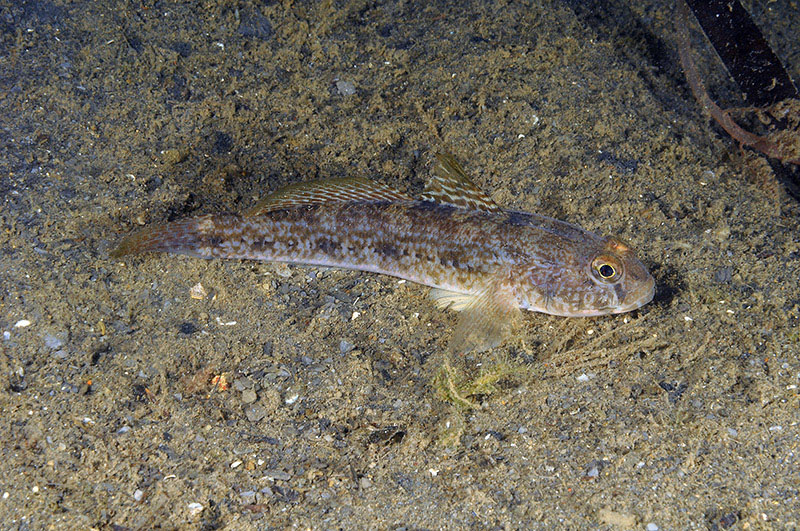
(436, 245)
(480, 259)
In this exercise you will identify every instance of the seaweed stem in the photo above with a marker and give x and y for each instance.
(722, 117)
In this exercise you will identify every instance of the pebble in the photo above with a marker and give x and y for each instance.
(248, 497)
(255, 412)
(249, 396)
(138, 495)
(271, 399)
(22, 323)
(198, 292)
(345, 88)
(652, 527)
(240, 384)
(345, 346)
(291, 398)
(618, 520)
(54, 341)
(195, 508)
(277, 474)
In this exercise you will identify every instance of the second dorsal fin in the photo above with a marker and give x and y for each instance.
(324, 191)
(451, 186)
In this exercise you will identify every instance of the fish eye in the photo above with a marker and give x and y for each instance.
(606, 268)
(606, 271)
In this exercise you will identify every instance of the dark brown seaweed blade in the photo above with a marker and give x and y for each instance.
(745, 53)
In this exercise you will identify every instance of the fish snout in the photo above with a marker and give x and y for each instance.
(636, 294)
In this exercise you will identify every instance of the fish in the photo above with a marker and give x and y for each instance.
(486, 262)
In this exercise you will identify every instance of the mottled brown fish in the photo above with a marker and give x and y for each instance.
(484, 261)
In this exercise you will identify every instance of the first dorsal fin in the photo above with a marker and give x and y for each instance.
(451, 186)
(324, 191)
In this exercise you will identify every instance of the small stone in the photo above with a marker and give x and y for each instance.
(22, 323)
(54, 341)
(249, 396)
(291, 398)
(271, 399)
(187, 328)
(240, 384)
(345, 346)
(652, 527)
(345, 88)
(277, 475)
(254, 24)
(248, 497)
(138, 495)
(172, 156)
(195, 508)
(255, 412)
(617, 519)
(365, 483)
(198, 292)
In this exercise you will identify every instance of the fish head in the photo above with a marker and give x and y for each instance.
(605, 279)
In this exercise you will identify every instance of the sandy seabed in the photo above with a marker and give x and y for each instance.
(281, 396)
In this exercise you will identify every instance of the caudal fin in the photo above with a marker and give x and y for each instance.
(187, 236)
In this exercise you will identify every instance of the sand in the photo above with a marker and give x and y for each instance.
(289, 397)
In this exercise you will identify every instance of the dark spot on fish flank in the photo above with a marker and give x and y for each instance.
(279, 215)
(388, 250)
(260, 245)
(518, 219)
(214, 241)
(328, 246)
(430, 206)
(351, 249)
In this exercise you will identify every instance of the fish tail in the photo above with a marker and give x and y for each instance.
(193, 236)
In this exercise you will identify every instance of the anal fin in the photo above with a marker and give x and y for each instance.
(326, 190)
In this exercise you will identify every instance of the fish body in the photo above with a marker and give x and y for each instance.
(487, 262)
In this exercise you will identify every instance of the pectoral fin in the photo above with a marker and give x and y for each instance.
(451, 186)
(486, 319)
(326, 190)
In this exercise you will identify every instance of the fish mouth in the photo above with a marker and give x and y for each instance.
(638, 298)
(634, 299)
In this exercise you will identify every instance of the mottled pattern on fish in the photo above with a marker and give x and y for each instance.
(483, 260)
